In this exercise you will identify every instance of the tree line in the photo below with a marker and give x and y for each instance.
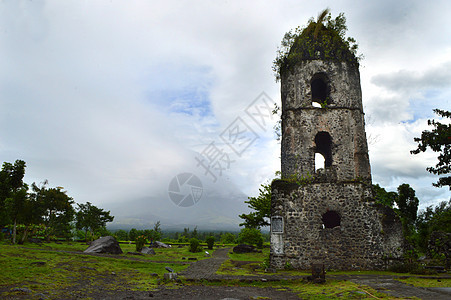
(40, 210)
(187, 235)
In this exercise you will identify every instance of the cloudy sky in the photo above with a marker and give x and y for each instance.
(112, 99)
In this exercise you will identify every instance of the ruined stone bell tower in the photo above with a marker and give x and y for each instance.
(326, 213)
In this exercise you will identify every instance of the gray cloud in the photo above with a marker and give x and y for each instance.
(111, 101)
(409, 80)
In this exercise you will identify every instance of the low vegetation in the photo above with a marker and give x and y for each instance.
(61, 269)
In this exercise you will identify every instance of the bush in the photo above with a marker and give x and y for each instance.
(228, 238)
(140, 242)
(251, 236)
(194, 245)
(403, 267)
(265, 263)
(121, 235)
(2, 236)
(288, 266)
(210, 242)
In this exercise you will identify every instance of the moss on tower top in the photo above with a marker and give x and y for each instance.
(324, 39)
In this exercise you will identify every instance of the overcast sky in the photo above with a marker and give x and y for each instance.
(113, 99)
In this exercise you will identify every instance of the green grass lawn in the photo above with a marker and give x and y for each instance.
(42, 267)
(426, 282)
(43, 270)
(162, 254)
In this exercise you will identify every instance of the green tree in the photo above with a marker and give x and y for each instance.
(383, 197)
(194, 245)
(210, 242)
(432, 219)
(13, 194)
(133, 234)
(194, 234)
(315, 27)
(153, 234)
(54, 208)
(228, 238)
(262, 209)
(19, 210)
(157, 231)
(251, 236)
(92, 218)
(121, 235)
(438, 140)
(407, 206)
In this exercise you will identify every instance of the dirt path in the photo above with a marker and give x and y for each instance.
(206, 268)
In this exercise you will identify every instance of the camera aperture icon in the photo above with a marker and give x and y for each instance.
(185, 189)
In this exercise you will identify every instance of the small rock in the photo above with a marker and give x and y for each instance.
(113, 273)
(243, 248)
(35, 240)
(359, 292)
(159, 244)
(40, 296)
(270, 270)
(154, 274)
(39, 263)
(147, 250)
(22, 290)
(170, 276)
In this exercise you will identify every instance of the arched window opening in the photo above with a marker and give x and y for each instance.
(320, 90)
(323, 143)
(331, 219)
(319, 161)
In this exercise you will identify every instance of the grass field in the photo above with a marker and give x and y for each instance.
(61, 268)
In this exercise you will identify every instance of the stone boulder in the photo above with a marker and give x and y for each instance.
(158, 244)
(147, 250)
(106, 244)
(243, 248)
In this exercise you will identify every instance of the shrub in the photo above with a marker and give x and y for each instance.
(194, 245)
(265, 263)
(403, 267)
(288, 266)
(210, 242)
(140, 242)
(251, 236)
(228, 238)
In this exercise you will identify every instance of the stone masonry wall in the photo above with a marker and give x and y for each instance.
(349, 147)
(343, 119)
(333, 218)
(366, 234)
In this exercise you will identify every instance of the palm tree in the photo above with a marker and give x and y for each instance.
(316, 26)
